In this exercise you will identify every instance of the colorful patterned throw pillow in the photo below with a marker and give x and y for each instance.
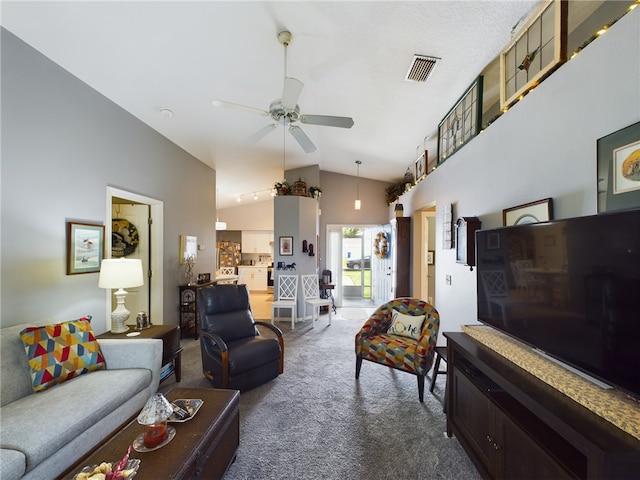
(406, 325)
(60, 352)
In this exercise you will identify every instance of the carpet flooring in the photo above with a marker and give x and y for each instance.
(316, 421)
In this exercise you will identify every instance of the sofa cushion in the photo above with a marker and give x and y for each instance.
(64, 411)
(15, 375)
(61, 351)
(13, 464)
(406, 325)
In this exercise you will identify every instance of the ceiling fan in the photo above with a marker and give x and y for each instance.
(285, 110)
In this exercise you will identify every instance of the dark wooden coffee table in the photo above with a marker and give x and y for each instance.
(204, 447)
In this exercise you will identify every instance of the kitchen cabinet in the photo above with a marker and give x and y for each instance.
(257, 241)
(254, 277)
(513, 425)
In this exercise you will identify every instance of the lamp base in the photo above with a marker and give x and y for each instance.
(120, 315)
(117, 322)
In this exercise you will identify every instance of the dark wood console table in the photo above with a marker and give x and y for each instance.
(513, 425)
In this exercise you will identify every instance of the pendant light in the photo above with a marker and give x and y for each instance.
(358, 203)
(219, 225)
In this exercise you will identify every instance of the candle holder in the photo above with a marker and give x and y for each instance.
(154, 417)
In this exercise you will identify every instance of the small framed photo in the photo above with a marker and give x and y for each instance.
(534, 212)
(188, 248)
(430, 257)
(286, 246)
(85, 247)
(421, 167)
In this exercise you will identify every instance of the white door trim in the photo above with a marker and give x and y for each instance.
(157, 251)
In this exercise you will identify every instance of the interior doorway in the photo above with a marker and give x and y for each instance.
(146, 214)
(425, 253)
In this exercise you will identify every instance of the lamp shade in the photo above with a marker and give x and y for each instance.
(121, 273)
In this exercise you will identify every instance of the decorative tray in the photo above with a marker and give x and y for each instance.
(139, 446)
(184, 409)
(103, 471)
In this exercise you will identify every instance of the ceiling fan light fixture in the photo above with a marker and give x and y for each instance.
(421, 67)
(286, 111)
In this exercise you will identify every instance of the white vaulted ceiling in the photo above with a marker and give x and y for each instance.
(351, 56)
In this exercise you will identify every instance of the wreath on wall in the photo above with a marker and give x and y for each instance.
(381, 245)
(124, 238)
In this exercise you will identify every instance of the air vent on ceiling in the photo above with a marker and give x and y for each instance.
(420, 68)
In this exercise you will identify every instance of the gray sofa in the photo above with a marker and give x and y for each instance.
(42, 434)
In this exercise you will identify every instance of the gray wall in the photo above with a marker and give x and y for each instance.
(62, 145)
(545, 146)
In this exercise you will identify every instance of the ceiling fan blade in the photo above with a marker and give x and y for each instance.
(327, 120)
(237, 106)
(291, 92)
(261, 133)
(304, 141)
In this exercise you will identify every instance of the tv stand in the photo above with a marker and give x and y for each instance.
(513, 425)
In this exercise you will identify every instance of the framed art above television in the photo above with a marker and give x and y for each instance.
(619, 169)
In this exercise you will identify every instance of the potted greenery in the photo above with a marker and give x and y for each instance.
(394, 191)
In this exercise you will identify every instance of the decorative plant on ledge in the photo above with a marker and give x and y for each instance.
(315, 192)
(283, 188)
(394, 191)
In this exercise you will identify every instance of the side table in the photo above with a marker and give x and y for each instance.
(170, 336)
(326, 292)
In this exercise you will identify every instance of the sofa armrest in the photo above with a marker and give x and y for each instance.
(134, 353)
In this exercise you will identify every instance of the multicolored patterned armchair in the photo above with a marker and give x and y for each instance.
(392, 338)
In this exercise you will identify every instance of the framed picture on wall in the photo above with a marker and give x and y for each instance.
(534, 212)
(619, 169)
(421, 167)
(188, 248)
(538, 49)
(286, 246)
(85, 247)
(462, 122)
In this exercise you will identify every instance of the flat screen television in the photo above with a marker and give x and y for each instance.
(569, 288)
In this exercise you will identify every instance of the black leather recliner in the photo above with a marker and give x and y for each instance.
(234, 353)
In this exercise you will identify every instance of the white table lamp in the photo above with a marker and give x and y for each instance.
(120, 273)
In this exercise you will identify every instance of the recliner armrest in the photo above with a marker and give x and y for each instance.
(279, 334)
(271, 327)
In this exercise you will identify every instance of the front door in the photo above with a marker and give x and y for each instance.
(381, 267)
